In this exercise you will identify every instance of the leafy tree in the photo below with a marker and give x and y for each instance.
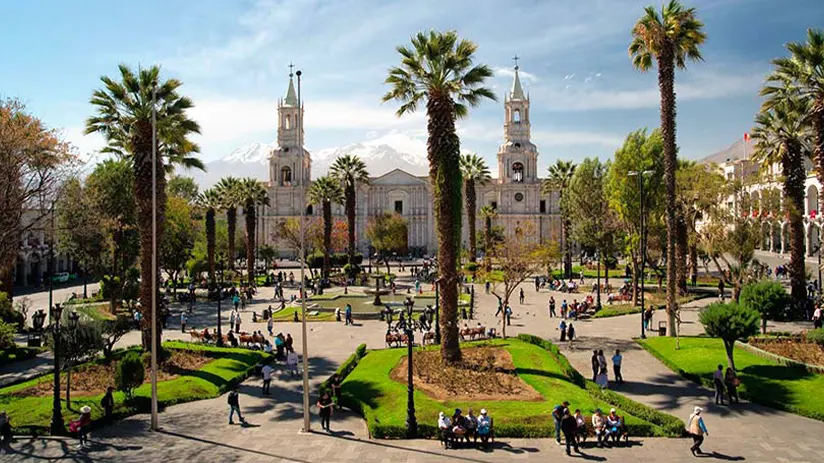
(81, 233)
(228, 188)
(767, 297)
(782, 137)
(183, 187)
(730, 322)
(252, 194)
(350, 171)
(641, 152)
(125, 110)
(129, 374)
(323, 192)
(76, 344)
(178, 238)
(475, 173)
(7, 332)
(112, 331)
(560, 174)
(488, 236)
(517, 257)
(439, 71)
(669, 39)
(34, 163)
(802, 75)
(387, 233)
(268, 254)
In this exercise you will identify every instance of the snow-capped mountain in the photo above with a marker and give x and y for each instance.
(381, 155)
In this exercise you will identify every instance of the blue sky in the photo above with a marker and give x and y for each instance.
(232, 57)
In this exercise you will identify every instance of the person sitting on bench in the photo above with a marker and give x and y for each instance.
(615, 426)
(484, 427)
(445, 429)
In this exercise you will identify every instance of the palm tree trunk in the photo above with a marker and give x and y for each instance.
(143, 195)
(251, 218)
(231, 221)
(567, 254)
(350, 221)
(666, 85)
(793, 170)
(327, 237)
(818, 140)
(443, 151)
(471, 200)
(210, 242)
(487, 242)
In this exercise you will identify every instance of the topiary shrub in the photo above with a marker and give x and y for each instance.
(767, 297)
(129, 374)
(730, 322)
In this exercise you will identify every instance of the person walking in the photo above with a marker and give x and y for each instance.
(731, 381)
(569, 426)
(564, 308)
(348, 314)
(183, 320)
(270, 325)
(267, 378)
(718, 381)
(570, 334)
(595, 365)
(721, 289)
(508, 313)
(234, 406)
(557, 416)
(551, 307)
(562, 328)
(237, 323)
(697, 429)
(521, 296)
(817, 317)
(325, 410)
(617, 359)
(107, 402)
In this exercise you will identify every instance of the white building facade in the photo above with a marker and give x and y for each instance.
(516, 194)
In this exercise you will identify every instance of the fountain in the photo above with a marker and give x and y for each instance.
(380, 289)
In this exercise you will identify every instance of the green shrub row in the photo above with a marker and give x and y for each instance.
(670, 425)
(344, 370)
(815, 336)
(16, 354)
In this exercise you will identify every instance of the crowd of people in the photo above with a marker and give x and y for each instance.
(609, 430)
(467, 428)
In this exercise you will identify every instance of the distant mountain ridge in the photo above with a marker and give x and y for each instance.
(381, 155)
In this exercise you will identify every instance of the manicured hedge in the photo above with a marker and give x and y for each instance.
(344, 370)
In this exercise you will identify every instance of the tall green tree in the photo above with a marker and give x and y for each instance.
(475, 173)
(124, 112)
(252, 194)
(183, 187)
(803, 74)
(387, 233)
(438, 70)
(323, 192)
(668, 39)
(730, 322)
(641, 152)
(558, 180)
(228, 189)
(350, 171)
(488, 214)
(782, 137)
(211, 203)
(80, 229)
(178, 240)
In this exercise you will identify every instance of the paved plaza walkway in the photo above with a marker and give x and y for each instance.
(199, 431)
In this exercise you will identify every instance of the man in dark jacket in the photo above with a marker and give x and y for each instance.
(108, 404)
(234, 406)
(568, 427)
(595, 364)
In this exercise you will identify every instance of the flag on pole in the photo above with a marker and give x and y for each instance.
(746, 137)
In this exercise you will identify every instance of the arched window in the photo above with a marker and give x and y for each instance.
(309, 210)
(517, 172)
(285, 176)
(516, 116)
(288, 122)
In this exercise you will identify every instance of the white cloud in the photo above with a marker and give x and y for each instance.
(569, 76)
(550, 138)
(508, 72)
(85, 146)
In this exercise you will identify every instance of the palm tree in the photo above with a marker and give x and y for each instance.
(475, 172)
(323, 192)
(488, 213)
(782, 136)
(251, 194)
(671, 38)
(124, 111)
(210, 200)
(350, 171)
(438, 71)
(228, 188)
(560, 175)
(803, 72)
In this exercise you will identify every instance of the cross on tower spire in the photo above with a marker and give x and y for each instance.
(291, 67)
(516, 58)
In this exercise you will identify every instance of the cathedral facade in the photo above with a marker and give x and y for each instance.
(516, 194)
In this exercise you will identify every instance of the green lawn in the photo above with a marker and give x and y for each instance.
(383, 401)
(33, 414)
(288, 315)
(97, 311)
(763, 381)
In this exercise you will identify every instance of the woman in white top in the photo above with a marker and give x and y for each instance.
(445, 428)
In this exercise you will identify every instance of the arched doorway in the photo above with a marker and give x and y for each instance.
(765, 236)
(812, 200)
(813, 239)
(785, 237)
(776, 237)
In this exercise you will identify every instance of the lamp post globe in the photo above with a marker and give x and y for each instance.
(57, 426)
(411, 421)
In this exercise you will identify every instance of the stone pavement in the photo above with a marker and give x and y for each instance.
(199, 431)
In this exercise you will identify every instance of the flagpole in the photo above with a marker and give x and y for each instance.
(154, 260)
(307, 422)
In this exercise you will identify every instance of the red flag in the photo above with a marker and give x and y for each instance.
(746, 137)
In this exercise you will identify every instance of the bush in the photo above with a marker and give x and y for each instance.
(767, 297)
(472, 267)
(6, 335)
(351, 271)
(129, 374)
(345, 368)
(815, 336)
(730, 322)
(8, 314)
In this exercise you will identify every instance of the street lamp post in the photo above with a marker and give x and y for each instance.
(219, 297)
(305, 349)
(411, 422)
(57, 426)
(643, 243)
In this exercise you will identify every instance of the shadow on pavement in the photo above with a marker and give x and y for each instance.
(720, 456)
(233, 447)
(447, 454)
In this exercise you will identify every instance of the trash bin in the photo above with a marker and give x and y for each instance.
(662, 328)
